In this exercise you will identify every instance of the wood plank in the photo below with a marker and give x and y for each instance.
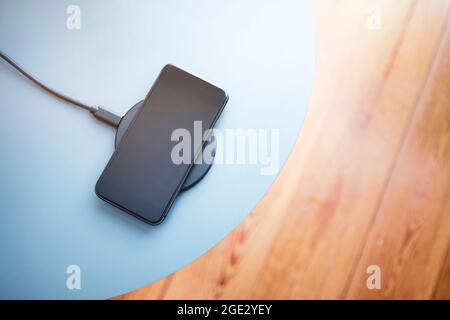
(442, 290)
(153, 292)
(314, 252)
(305, 237)
(411, 234)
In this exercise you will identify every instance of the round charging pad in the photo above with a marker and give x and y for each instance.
(198, 171)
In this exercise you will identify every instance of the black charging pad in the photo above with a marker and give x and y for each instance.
(198, 171)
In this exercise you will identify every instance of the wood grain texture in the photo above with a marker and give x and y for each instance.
(368, 181)
(410, 235)
(442, 290)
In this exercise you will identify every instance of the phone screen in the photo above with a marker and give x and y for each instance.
(141, 176)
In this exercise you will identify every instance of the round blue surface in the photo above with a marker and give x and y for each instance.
(260, 52)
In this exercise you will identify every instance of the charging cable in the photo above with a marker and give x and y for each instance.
(98, 112)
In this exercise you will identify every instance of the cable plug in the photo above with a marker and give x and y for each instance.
(107, 117)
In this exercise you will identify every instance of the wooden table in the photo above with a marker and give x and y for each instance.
(368, 183)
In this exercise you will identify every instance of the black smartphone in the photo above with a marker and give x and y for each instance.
(141, 177)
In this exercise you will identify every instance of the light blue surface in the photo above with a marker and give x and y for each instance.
(260, 52)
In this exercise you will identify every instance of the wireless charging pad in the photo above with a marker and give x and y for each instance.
(198, 171)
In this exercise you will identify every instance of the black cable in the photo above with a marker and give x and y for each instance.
(99, 113)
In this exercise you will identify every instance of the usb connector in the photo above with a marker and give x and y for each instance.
(107, 117)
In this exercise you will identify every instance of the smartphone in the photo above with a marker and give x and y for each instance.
(141, 177)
